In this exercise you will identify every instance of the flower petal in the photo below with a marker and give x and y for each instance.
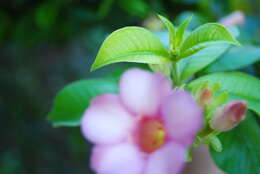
(229, 115)
(182, 116)
(142, 91)
(169, 159)
(106, 121)
(122, 158)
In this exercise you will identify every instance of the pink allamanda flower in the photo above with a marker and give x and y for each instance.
(146, 129)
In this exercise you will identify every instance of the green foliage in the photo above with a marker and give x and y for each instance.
(162, 68)
(180, 32)
(240, 86)
(71, 102)
(138, 8)
(235, 58)
(46, 15)
(200, 60)
(241, 150)
(57, 21)
(131, 44)
(205, 36)
(176, 35)
(170, 27)
(136, 44)
(215, 143)
(4, 22)
(105, 7)
(217, 102)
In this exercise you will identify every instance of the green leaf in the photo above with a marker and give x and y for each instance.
(200, 60)
(235, 58)
(215, 143)
(131, 44)
(241, 150)
(205, 36)
(240, 86)
(219, 100)
(104, 8)
(162, 68)
(180, 32)
(72, 101)
(170, 28)
(46, 15)
(139, 8)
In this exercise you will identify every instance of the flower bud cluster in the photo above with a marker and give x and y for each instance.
(220, 114)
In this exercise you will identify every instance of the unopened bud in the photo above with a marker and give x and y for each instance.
(229, 115)
(205, 96)
(235, 18)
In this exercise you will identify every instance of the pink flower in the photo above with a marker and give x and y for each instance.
(235, 18)
(146, 129)
(229, 116)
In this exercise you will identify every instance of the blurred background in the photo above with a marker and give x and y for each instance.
(45, 45)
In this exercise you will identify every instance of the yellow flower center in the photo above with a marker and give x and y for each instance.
(151, 134)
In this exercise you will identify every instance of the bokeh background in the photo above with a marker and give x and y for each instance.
(45, 45)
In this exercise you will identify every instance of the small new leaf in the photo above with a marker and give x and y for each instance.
(170, 28)
(215, 143)
(131, 44)
(181, 31)
(205, 36)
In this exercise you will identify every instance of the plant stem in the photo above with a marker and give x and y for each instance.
(175, 74)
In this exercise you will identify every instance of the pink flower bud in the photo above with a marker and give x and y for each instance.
(235, 18)
(229, 115)
(205, 96)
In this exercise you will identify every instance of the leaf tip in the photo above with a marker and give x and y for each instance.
(161, 17)
(238, 43)
(188, 19)
(51, 120)
(56, 125)
(93, 67)
(235, 42)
